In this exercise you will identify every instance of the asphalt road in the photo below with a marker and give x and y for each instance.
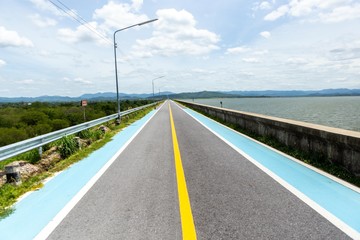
(137, 198)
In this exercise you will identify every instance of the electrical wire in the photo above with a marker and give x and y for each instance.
(83, 22)
(78, 19)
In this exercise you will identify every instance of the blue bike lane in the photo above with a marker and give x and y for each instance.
(336, 201)
(35, 211)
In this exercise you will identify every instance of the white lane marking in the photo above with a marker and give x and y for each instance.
(49, 228)
(332, 177)
(326, 214)
(45, 181)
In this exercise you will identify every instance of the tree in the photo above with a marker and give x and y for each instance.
(11, 135)
(42, 128)
(5, 122)
(34, 117)
(58, 124)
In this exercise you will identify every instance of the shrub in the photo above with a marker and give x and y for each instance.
(97, 134)
(32, 156)
(68, 146)
(85, 134)
(93, 135)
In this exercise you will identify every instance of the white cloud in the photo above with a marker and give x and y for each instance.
(81, 34)
(236, 50)
(42, 22)
(281, 11)
(264, 5)
(10, 38)
(2, 63)
(118, 15)
(326, 11)
(45, 6)
(26, 81)
(137, 4)
(260, 52)
(251, 60)
(5, 90)
(81, 80)
(340, 54)
(246, 74)
(265, 34)
(341, 14)
(296, 61)
(325, 53)
(175, 34)
(77, 80)
(111, 16)
(202, 71)
(305, 7)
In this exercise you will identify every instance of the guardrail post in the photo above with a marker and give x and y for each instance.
(13, 173)
(40, 151)
(78, 142)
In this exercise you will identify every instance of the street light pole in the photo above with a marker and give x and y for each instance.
(116, 72)
(153, 83)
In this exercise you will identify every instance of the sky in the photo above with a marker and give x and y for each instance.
(196, 45)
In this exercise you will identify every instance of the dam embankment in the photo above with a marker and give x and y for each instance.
(336, 145)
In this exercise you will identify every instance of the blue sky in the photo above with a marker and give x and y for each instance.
(197, 45)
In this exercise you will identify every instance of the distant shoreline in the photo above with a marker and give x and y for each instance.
(109, 96)
(333, 111)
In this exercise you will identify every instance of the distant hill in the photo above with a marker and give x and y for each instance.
(92, 97)
(111, 96)
(298, 93)
(267, 93)
(203, 94)
(337, 92)
(189, 95)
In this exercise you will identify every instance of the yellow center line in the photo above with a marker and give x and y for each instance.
(187, 222)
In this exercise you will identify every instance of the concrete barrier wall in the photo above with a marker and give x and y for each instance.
(336, 145)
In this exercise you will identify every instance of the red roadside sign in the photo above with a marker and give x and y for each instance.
(83, 103)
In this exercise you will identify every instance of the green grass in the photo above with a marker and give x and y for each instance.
(10, 193)
(31, 156)
(6, 162)
(68, 146)
(314, 159)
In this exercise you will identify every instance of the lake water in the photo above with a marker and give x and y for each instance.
(339, 112)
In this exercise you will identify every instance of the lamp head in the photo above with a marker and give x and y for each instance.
(149, 21)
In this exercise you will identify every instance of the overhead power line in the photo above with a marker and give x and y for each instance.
(74, 15)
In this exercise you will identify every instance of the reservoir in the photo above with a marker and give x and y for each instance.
(339, 112)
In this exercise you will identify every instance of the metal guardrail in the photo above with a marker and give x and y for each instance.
(36, 142)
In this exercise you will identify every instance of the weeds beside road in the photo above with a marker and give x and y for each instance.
(66, 151)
